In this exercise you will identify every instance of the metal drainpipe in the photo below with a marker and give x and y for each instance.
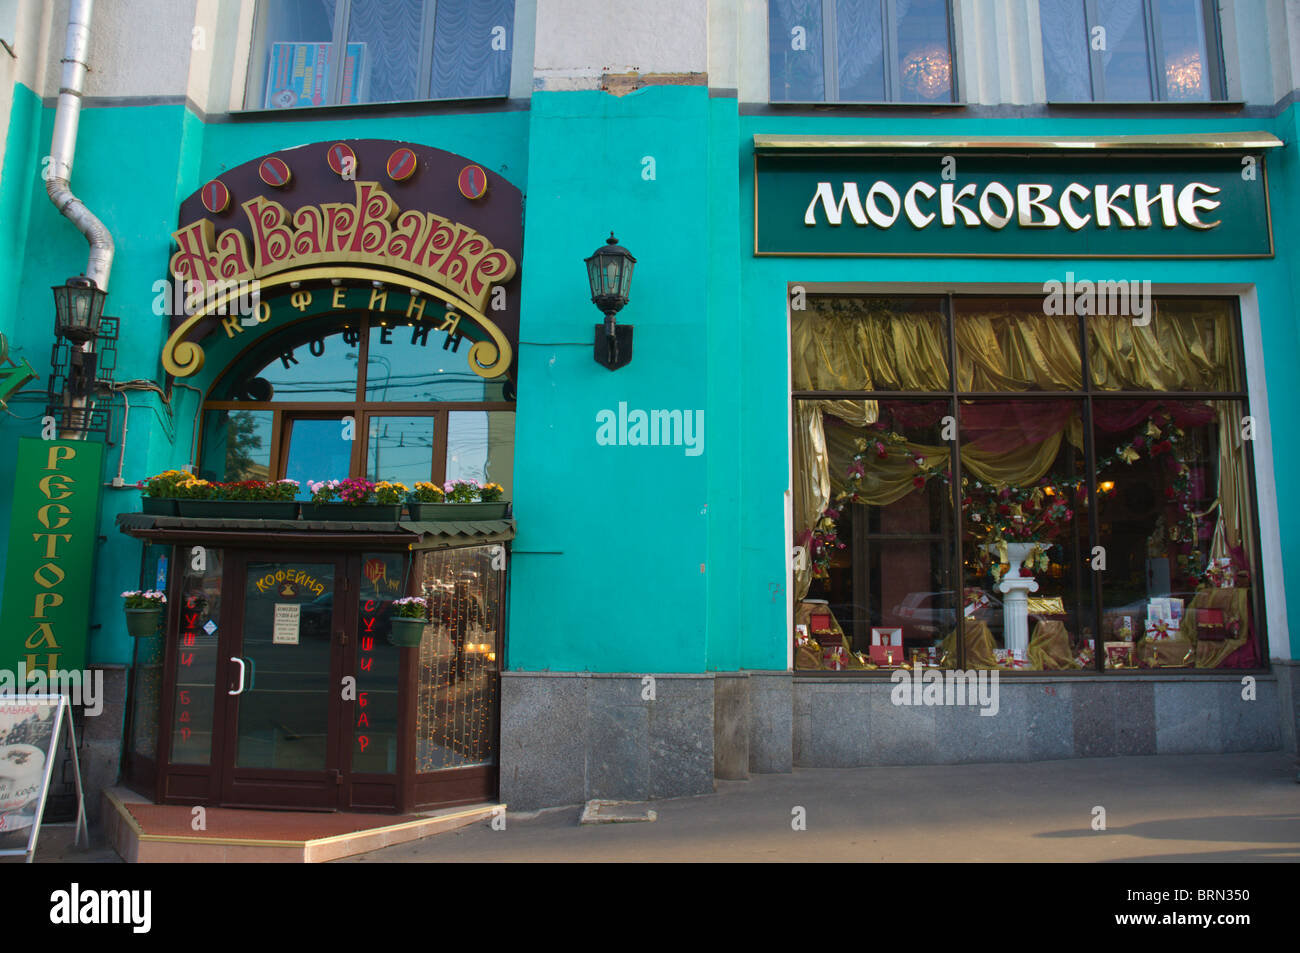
(63, 147)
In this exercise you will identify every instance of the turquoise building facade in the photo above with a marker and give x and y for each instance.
(651, 589)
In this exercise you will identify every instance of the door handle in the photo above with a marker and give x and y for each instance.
(240, 690)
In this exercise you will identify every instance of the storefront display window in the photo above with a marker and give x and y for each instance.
(459, 658)
(1098, 530)
(147, 675)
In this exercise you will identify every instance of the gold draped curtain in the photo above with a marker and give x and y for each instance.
(846, 344)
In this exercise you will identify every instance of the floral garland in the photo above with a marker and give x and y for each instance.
(1003, 513)
(820, 540)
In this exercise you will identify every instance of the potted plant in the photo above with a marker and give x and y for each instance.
(355, 499)
(470, 500)
(158, 493)
(143, 611)
(261, 499)
(425, 501)
(193, 496)
(408, 621)
(248, 499)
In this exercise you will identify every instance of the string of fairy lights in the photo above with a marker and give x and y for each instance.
(456, 698)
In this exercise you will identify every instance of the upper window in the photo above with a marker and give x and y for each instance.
(1131, 51)
(860, 51)
(331, 52)
(357, 396)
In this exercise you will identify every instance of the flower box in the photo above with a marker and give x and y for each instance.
(445, 512)
(353, 512)
(143, 623)
(156, 506)
(406, 632)
(238, 509)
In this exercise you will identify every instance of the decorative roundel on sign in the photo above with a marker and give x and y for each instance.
(215, 196)
(274, 172)
(342, 159)
(472, 182)
(401, 165)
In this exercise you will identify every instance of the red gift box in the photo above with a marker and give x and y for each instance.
(1210, 626)
(835, 658)
(888, 655)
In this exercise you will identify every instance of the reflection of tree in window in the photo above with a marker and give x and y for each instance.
(242, 437)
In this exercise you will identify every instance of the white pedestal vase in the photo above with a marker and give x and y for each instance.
(1015, 590)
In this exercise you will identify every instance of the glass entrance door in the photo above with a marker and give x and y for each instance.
(284, 671)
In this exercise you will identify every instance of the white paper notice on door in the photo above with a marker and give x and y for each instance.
(288, 618)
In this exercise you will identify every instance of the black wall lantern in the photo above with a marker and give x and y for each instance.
(82, 359)
(609, 271)
(78, 304)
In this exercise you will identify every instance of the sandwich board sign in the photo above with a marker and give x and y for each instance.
(30, 731)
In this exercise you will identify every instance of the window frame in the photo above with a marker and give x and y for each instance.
(1215, 68)
(359, 408)
(889, 55)
(338, 53)
(1086, 394)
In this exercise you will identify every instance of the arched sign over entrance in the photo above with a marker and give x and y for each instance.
(413, 246)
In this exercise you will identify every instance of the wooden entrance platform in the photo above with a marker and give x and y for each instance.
(143, 832)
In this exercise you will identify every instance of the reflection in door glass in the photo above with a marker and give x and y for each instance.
(196, 661)
(287, 630)
(374, 734)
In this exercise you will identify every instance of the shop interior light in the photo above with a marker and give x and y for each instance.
(609, 273)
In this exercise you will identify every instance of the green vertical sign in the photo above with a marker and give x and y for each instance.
(45, 618)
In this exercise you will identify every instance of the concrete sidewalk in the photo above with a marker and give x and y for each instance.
(1183, 808)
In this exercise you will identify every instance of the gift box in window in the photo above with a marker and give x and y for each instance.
(835, 658)
(887, 647)
(976, 601)
(1210, 625)
(1164, 619)
(1167, 653)
(1119, 654)
(1011, 658)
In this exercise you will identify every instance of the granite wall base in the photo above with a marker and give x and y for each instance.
(851, 723)
(567, 738)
